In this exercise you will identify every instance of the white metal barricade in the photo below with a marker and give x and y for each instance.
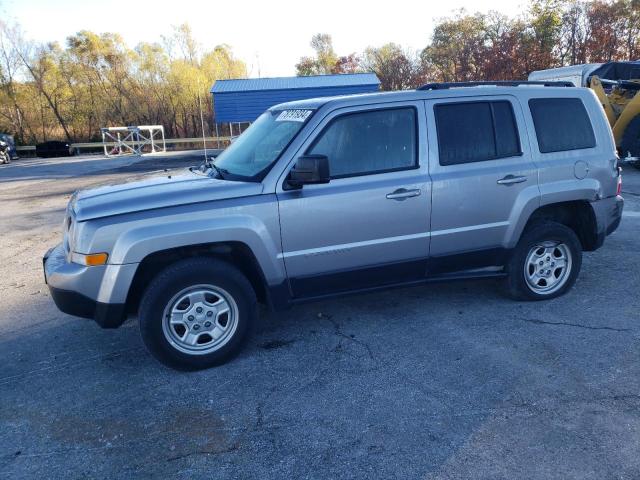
(133, 140)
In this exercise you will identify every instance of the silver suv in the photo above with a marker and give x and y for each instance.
(346, 194)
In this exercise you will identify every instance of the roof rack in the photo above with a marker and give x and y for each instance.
(500, 83)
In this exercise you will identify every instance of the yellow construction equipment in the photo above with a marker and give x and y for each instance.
(617, 86)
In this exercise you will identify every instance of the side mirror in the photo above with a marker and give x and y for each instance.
(308, 170)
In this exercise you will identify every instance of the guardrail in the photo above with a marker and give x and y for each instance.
(170, 141)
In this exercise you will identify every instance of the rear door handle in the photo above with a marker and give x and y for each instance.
(511, 179)
(402, 194)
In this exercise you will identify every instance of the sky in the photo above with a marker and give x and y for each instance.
(269, 35)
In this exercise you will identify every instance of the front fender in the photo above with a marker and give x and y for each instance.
(135, 244)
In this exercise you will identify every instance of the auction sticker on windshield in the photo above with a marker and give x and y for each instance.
(293, 116)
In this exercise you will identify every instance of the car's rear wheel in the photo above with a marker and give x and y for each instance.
(545, 263)
(197, 313)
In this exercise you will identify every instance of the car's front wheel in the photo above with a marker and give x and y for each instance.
(545, 263)
(197, 313)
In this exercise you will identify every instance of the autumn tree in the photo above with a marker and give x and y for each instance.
(70, 90)
(348, 64)
(551, 33)
(12, 91)
(574, 33)
(326, 61)
(605, 39)
(630, 12)
(94, 80)
(457, 48)
(396, 68)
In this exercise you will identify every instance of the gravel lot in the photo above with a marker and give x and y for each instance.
(432, 382)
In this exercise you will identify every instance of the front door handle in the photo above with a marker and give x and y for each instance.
(403, 194)
(511, 179)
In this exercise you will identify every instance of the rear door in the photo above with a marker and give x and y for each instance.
(482, 175)
(369, 225)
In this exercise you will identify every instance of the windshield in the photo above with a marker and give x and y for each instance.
(253, 152)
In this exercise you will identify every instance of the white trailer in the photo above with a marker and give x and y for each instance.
(576, 74)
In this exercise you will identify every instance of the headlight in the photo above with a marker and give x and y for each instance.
(69, 226)
(70, 240)
(68, 233)
(71, 234)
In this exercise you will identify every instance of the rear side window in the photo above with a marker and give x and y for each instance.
(369, 142)
(561, 124)
(476, 132)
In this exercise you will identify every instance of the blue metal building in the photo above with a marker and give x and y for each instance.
(243, 100)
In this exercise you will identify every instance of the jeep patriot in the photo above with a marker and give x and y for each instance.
(347, 194)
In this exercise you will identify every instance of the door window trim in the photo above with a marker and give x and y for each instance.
(416, 163)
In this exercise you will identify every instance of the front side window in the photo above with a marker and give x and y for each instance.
(255, 151)
(476, 131)
(561, 124)
(369, 142)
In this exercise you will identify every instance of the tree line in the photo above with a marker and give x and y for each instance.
(492, 46)
(69, 91)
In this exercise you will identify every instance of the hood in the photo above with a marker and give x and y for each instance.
(157, 192)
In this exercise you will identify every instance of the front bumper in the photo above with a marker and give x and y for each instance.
(75, 289)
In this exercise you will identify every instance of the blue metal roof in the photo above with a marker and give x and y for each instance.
(245, 99)
(287, 83)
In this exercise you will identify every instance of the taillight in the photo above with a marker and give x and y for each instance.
(619, 191)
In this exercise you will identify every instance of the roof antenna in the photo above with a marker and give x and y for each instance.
(207, 162)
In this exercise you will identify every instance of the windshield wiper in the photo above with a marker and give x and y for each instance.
(220, 171)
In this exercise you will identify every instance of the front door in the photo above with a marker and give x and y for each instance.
(483, 178)
(369, 225)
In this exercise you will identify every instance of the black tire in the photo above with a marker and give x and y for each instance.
(544, 231)
(183, 275)
(630, 143)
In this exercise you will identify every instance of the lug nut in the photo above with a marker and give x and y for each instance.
(196, 327)
(541, 263)
(209, 313)
(190, 318)
(199, 309)
(207, 324)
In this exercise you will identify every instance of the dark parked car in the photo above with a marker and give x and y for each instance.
(54, 148)
(13, 153)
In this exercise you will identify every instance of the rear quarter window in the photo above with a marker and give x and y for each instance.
(561, 124)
